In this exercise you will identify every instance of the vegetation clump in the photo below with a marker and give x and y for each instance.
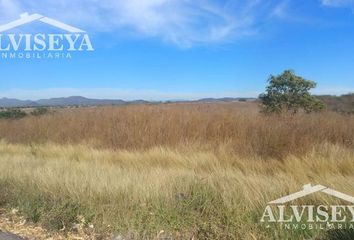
(12, 114)
(39, 111)
(290, 93)
(341, 104)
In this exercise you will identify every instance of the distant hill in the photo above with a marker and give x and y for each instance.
(55, 102)
(9, 102)
(226, 99)
(344, 103)
(82, 101)
(78, 101)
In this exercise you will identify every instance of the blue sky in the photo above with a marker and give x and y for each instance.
(186, 49)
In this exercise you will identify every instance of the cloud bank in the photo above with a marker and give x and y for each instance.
(182, 22)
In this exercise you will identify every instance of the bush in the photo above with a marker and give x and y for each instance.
(12, 114)
(39, 111)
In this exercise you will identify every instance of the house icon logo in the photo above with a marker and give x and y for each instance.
(42, 45)
(25, 18)
(290, 216)
(308, 190)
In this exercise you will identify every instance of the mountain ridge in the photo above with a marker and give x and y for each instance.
(83, 101)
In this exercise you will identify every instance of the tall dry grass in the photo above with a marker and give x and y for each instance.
(172, 125)
(187, 193)
(195, 171)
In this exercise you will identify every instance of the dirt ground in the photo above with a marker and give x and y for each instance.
(15, 227)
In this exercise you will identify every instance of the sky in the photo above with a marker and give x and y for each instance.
(185, 49)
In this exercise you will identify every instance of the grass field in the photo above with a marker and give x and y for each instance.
(187, 171)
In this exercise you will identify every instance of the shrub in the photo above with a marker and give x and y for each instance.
(39, 111)
(12, 114)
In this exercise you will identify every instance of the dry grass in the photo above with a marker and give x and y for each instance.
(203, 194)
(172, 125)
(202, 171)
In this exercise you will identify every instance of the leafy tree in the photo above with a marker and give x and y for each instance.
(289, 93)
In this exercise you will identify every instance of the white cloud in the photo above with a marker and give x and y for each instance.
(281, 10)
(8, 8)
(338, 3)
(182, 22)
(333, 90)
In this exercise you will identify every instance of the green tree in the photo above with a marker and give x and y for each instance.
(289, 93)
